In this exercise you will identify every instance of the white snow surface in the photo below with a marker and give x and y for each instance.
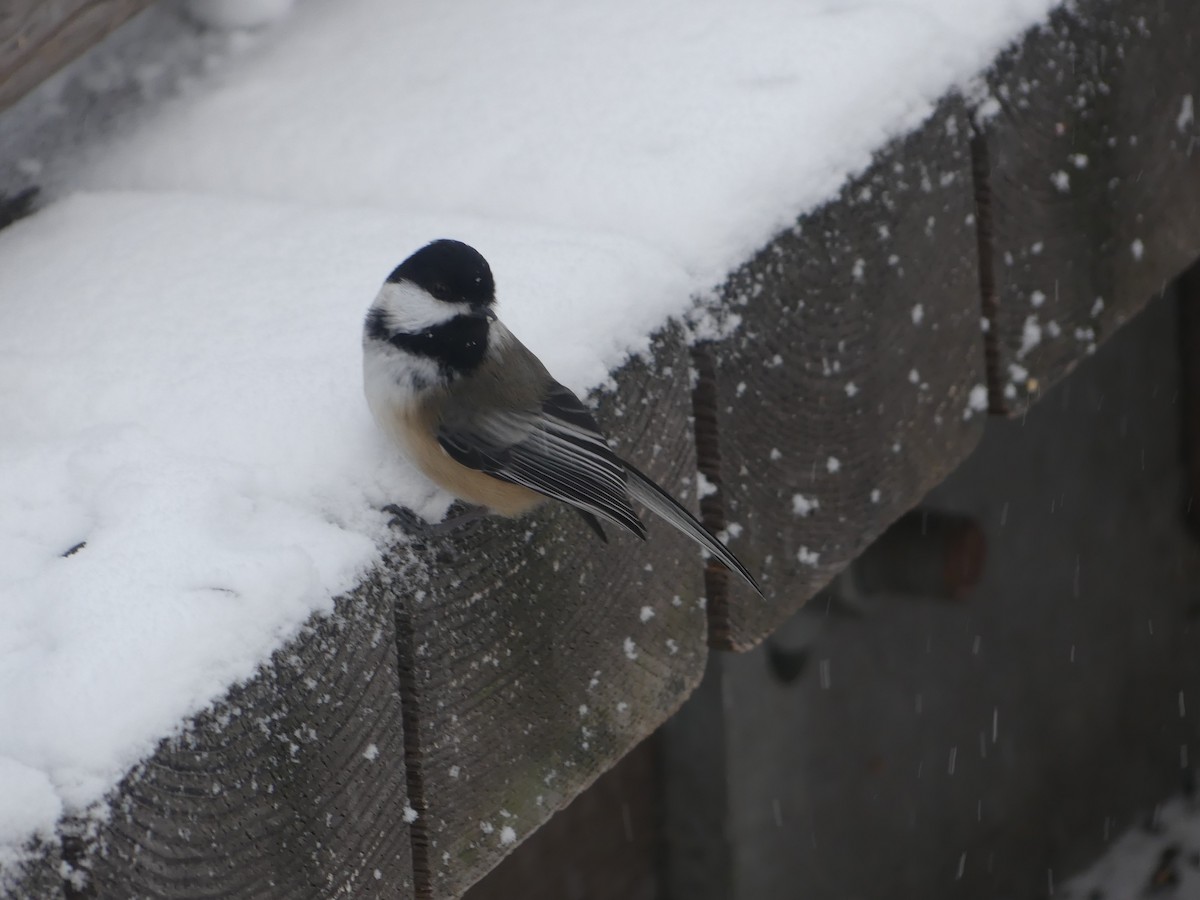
(1160, 861)
(179, 340)
(698, 129)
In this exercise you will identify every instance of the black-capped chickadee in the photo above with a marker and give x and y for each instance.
(480, 415)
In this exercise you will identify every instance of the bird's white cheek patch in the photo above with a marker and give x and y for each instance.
(411, 309)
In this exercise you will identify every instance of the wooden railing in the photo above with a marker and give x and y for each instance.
(473, 686)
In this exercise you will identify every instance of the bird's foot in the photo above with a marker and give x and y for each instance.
(406, 520)
(462, 514)
(412, 524)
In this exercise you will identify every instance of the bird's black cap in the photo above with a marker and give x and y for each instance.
(451, 271)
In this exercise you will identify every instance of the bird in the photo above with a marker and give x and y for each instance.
(479, 414)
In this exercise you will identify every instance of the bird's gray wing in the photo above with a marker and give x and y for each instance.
(654, 498)
(556, 450)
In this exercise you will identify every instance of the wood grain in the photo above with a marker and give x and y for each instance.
(38, 37)
(292, 786)
(533, 656)
(855, 381)
(607, 845)
(1091, 179)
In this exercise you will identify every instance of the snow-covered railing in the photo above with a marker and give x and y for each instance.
(842, 372)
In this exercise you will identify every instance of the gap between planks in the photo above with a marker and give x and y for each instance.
(706, 433)
(410, 718)
(981, 178)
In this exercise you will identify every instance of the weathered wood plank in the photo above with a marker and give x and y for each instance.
(607, 845)
(292, 786)
(1091, 182)
(534, 656)
(985, 750)
(38, 37)
(854, 382)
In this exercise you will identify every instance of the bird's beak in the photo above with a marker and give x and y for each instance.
(482, 311)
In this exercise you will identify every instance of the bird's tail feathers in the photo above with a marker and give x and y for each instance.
(662, 504)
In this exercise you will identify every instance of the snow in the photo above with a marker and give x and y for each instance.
(630, 649)
(977, 400)
(199, 423)
(689, 127)
(802, 506)
(1162, 859)
(233, 14)
(1187, 114)
(179, 333)
(1031, 336)
(31, 806)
